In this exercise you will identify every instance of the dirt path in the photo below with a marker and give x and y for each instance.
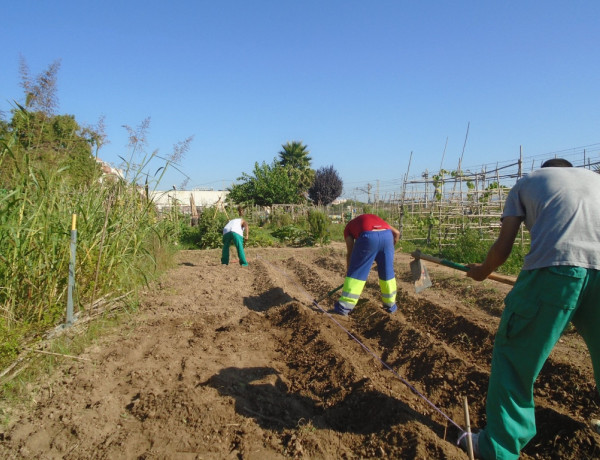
(236, 362)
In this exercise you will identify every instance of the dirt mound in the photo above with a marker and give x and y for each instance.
(239, 362)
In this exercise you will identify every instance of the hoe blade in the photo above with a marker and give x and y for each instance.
(420, 275)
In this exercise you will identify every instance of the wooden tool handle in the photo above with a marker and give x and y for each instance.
(437, 260)
(502, 278)
(448, 263)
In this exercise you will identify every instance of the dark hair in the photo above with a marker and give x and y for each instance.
(557, 163)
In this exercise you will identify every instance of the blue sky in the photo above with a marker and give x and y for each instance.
(362, 84)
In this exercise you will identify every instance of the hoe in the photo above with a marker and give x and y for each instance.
(420, 274)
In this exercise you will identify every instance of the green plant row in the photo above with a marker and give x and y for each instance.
(284, 229)
(276, 230)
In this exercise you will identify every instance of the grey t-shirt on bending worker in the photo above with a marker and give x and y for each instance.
(561, 209)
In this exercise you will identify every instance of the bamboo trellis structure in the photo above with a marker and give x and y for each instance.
(438, 207)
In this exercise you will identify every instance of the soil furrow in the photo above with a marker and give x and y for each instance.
(236, 362)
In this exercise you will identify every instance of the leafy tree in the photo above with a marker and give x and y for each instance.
(295, 157)
(327, 186)
(40, 139)
(271, 184)
(54, 142)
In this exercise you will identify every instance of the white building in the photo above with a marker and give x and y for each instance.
(164, 200)
(109, 171)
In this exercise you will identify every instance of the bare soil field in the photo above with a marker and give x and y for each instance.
(230, 362)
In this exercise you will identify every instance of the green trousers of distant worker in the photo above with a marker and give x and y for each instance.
(238, 242)
(537, 310)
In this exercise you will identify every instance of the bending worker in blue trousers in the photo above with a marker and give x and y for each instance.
(368, 238)
(559, 283)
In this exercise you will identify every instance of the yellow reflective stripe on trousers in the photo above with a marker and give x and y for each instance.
(351, 292)
(388, 291)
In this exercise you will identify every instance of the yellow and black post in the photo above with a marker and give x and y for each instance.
(72, 271)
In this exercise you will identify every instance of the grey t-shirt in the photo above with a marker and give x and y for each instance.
(561, 209)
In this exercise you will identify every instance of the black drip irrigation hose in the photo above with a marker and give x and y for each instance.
(368, 350)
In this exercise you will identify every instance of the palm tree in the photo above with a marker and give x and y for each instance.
(295, 156)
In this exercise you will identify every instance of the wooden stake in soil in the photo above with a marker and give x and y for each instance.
(194, 211)
(468, 425)
(57, 354)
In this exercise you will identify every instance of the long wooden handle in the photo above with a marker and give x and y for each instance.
(502, 279)
(448, 263)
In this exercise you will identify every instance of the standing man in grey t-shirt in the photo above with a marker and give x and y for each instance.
(559, 283)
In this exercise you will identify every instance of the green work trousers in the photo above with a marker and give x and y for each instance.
(537, 310)
(238, 242)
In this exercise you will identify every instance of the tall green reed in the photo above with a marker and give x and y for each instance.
(119, 241)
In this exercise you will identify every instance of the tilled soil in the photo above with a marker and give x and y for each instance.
(240, 362)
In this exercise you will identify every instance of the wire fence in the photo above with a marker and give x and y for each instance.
(435, 207)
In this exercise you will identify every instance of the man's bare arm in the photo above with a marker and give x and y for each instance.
(245, 228)
(499, 251)
(396, 233)
(349, 248)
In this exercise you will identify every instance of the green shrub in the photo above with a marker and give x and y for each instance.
(293, 236)
(515, 261)
(280, 219)
(210, 229)
(469, 247)
(259, 237)
(318, 224)
(10, 343)
(188, 236)
(336, 232)
(408, 246)
(385, 215)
